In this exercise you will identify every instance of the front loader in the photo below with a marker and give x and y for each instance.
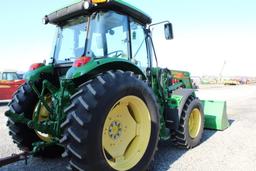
(101, 102)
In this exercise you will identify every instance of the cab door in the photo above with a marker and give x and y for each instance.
(139, 46)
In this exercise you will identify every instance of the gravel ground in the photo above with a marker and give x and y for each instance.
(232, 149)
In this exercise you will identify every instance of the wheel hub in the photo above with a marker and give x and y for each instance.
(115, 130)
(126, 133)
(194, 123)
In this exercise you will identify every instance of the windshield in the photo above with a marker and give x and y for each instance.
(70, 40)
(108, 35)
(9, 76)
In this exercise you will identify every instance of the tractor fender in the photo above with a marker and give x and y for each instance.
(89, 71)
(35, 75)
(173, 115)
(185, 93)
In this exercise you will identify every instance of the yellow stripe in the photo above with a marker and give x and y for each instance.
(5, 86)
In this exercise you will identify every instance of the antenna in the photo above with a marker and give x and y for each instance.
(221, 71)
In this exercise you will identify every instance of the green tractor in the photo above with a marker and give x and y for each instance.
(102, 102)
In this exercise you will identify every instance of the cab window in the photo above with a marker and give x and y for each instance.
(108, 35)
(9, 76)
(139, 49)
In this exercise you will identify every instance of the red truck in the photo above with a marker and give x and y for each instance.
(9, 83)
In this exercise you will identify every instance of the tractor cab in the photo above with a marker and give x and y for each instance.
(93, 30)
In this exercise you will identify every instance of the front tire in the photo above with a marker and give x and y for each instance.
(102, 132)
(191, 126)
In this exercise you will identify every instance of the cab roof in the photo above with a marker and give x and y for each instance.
(77, 9)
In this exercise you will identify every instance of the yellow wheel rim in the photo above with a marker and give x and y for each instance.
(43, 115)
(126, 133)
(194, 123)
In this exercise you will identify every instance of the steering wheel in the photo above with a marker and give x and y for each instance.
(117, 53)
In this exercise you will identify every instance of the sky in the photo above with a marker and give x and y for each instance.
(207, 34)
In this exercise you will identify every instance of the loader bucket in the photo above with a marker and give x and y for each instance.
(215, 113)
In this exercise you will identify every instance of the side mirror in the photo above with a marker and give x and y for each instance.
(168, 31)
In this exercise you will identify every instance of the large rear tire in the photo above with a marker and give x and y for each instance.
(191, 125)
(25, 101)
(112, 124)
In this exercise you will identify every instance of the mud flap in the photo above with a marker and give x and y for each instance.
(215, 113)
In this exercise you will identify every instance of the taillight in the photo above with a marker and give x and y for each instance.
(35, 66)
(98, 1)
(81, 61)
(174, 81)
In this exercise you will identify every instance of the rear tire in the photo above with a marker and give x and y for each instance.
(24, 101)
(187, 136)
(88, 113)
